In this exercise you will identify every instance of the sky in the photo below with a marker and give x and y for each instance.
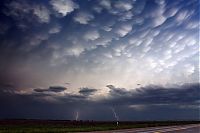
(134, 59)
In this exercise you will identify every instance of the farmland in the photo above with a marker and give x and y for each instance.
(43, 126)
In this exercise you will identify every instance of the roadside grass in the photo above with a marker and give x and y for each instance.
(62, 127)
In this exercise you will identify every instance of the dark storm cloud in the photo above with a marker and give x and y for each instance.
(40, 90)
(115, 92)
(57, 88)
(6, 85)
(182, 94)
(87, 91)
(51, 89)
(20, 9)
(48, 41)
(40, 105)
(151, 99)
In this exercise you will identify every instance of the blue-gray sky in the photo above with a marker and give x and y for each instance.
(139, 57)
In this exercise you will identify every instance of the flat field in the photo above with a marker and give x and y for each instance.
(63, 126)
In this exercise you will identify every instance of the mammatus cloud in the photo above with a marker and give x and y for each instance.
(91, 35)
(83, 17)
(55, 29)
(122, 5)
(126, 16)
(75, 50)
(105, 3)
(123, 29)
(42, 13)
(127, 36)
(22, 9)
(181, 16)
(64, 7)
(159, 18)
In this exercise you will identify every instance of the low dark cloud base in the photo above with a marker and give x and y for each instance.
(144, 103)
(87, 91)
(55, 89)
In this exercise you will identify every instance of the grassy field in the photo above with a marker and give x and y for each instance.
(52, 126)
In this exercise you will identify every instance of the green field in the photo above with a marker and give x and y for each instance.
(43, 126)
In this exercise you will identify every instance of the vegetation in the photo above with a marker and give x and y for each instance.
(55, 126)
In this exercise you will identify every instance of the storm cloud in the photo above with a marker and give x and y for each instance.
(140, 57)
(51, 89)
(156, 95)
(87, 91)
(145, 99)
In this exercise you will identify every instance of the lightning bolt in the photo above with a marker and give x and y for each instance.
(115, 114)
(77, 115)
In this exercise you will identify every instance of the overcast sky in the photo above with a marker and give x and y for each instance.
(139, 58)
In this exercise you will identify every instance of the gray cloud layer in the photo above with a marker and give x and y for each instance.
(183, 99)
